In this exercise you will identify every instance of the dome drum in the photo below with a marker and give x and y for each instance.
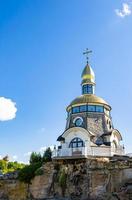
(88, 100)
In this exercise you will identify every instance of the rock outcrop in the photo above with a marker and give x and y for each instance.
(78, 179)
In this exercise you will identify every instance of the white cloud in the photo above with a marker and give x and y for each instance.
(15, 157)
(7, 109)
(42, 149)
(125, 11)
(22, 162)
(28, 154)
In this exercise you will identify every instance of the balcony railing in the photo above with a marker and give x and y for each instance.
(88, 151)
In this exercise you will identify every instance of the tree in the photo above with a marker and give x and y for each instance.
(28, 172)
(3, 166)
(35, 158)
(47, 156)
(13, 166)
(6, 158)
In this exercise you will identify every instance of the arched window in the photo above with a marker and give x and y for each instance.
(76, 142)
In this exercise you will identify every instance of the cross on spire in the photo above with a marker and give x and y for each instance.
(87, 52)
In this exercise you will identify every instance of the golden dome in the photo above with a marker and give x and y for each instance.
(88, 98)
(88, 75)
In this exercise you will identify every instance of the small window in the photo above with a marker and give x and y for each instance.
(75, 109)
(90, 89)
(87, 89)
(83, 108)
(91, 108)
(100, 109)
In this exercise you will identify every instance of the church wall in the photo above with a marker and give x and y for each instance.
(73, 116)
(96, 123)
(82, 134)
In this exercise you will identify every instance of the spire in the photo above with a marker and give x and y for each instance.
(88, 76)
(87, 52)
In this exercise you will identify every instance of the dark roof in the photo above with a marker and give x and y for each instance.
(60, 138)
(105, 134)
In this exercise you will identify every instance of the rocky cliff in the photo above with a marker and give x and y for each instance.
(78, 179)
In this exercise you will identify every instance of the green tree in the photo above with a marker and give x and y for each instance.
(28, 172)
(35, 158)
(6, 166)
(47, 156)
(13, 166)
(3, 166)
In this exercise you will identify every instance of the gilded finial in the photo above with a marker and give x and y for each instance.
(87, 52)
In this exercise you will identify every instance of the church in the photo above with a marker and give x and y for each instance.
(89, 128)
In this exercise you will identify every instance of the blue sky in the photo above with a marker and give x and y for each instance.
(41, 45)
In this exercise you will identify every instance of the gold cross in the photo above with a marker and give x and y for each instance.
(87, 52)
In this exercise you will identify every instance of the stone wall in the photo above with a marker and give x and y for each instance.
(80, 179)
(13, 190)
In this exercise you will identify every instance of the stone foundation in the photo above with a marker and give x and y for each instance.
(82, 179)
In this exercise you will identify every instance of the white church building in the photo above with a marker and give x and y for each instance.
(89, 128)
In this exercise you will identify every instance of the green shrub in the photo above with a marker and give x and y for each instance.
(6, 166)
(39, 172)
(62, 181)
(3, 166)
(28, 172)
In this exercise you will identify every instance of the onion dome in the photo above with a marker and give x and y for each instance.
(88, 99)
(88, 76)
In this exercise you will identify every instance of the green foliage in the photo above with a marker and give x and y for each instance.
(62, 181)
(47, 156)
(39, 172)
(28, 172)
(35, 158)
(34, 168)
(6, 166)
(13, 166)
(3, 166)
